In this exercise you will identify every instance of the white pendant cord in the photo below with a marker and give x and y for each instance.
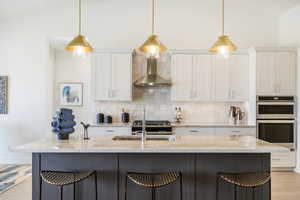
(153, 17)
(222, 17)
(79, 17)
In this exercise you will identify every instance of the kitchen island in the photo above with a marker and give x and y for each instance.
(198, 158)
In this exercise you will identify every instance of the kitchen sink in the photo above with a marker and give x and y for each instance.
(149, 137)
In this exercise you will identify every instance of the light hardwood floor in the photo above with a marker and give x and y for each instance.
(285, 186)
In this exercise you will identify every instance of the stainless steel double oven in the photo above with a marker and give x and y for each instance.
(276, 120)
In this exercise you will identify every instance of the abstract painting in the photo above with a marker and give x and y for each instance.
(3, 94)
(71, 94)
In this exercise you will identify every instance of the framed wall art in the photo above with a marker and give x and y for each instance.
(3, 94)
(71, 94)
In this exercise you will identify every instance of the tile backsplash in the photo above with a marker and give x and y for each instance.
(160, 107)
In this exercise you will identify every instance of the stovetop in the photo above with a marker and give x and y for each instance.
(153, 127)
(162, 123)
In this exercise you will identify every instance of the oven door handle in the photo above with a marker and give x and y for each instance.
(275, 121)
(275, 103)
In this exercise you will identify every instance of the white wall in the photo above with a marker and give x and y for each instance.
(69, 68)
(289, 29)
(289, 34)
(189, 24)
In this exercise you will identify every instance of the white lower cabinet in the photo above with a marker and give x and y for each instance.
(109, 130)
(236, 131)
(215, 131)
(283, 160)
(194, 131)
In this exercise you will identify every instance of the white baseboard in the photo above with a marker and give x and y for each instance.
(297, 170)
(15, 159)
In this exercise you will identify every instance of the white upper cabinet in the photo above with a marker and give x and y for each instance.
(239, 77)
(275, 73)
(205, 77)
(112, 76)
(191, 77)
(202, 77)
(286, 73)
(181, 73)
(232, 78)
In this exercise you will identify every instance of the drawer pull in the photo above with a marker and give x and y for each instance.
(236, 131)
(110, 131)
(194, 131)
(276, 159)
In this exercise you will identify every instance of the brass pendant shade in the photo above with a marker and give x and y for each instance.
(223, 41)
(153, 46)
(79, 44)
(79, 41)
(223, 45)
(153, 42)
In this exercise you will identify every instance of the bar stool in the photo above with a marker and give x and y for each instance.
(66, 178)
(245, 180)
(153, 180)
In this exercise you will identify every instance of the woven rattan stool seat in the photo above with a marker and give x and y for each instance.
(247, 179)
(153, 180)
(64, 178)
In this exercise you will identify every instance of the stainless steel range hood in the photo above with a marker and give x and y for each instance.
(152, 79)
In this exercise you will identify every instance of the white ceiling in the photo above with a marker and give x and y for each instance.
(11, 8)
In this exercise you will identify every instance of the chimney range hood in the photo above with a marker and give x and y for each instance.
(152, 79)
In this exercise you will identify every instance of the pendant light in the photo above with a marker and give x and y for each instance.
(152, 46)
(223, 46)
(79, 45)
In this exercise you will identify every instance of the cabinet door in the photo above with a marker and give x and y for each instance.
(238, 77)
(285, 63)
(265, 74)
(101, 76)
(221, 79)
(236, 131)
(182, 77)
(202, 77)
(109, 130)
(121, 74)
(194, 131)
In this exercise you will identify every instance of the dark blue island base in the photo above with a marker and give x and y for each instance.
(199, 175)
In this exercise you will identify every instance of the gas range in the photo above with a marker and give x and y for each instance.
(153, 127)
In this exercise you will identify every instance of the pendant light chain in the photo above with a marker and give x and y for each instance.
(222, 17)
(153, 17)
(79, 17)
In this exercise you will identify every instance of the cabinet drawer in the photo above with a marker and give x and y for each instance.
(236, 131)
(110, 130)
(194, 130)
(283, 159)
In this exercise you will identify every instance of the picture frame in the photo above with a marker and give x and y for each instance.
(3, 94)
(71, 94)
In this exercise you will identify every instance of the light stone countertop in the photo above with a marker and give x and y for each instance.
(183, 124)
(212, 125)
(183, 144)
